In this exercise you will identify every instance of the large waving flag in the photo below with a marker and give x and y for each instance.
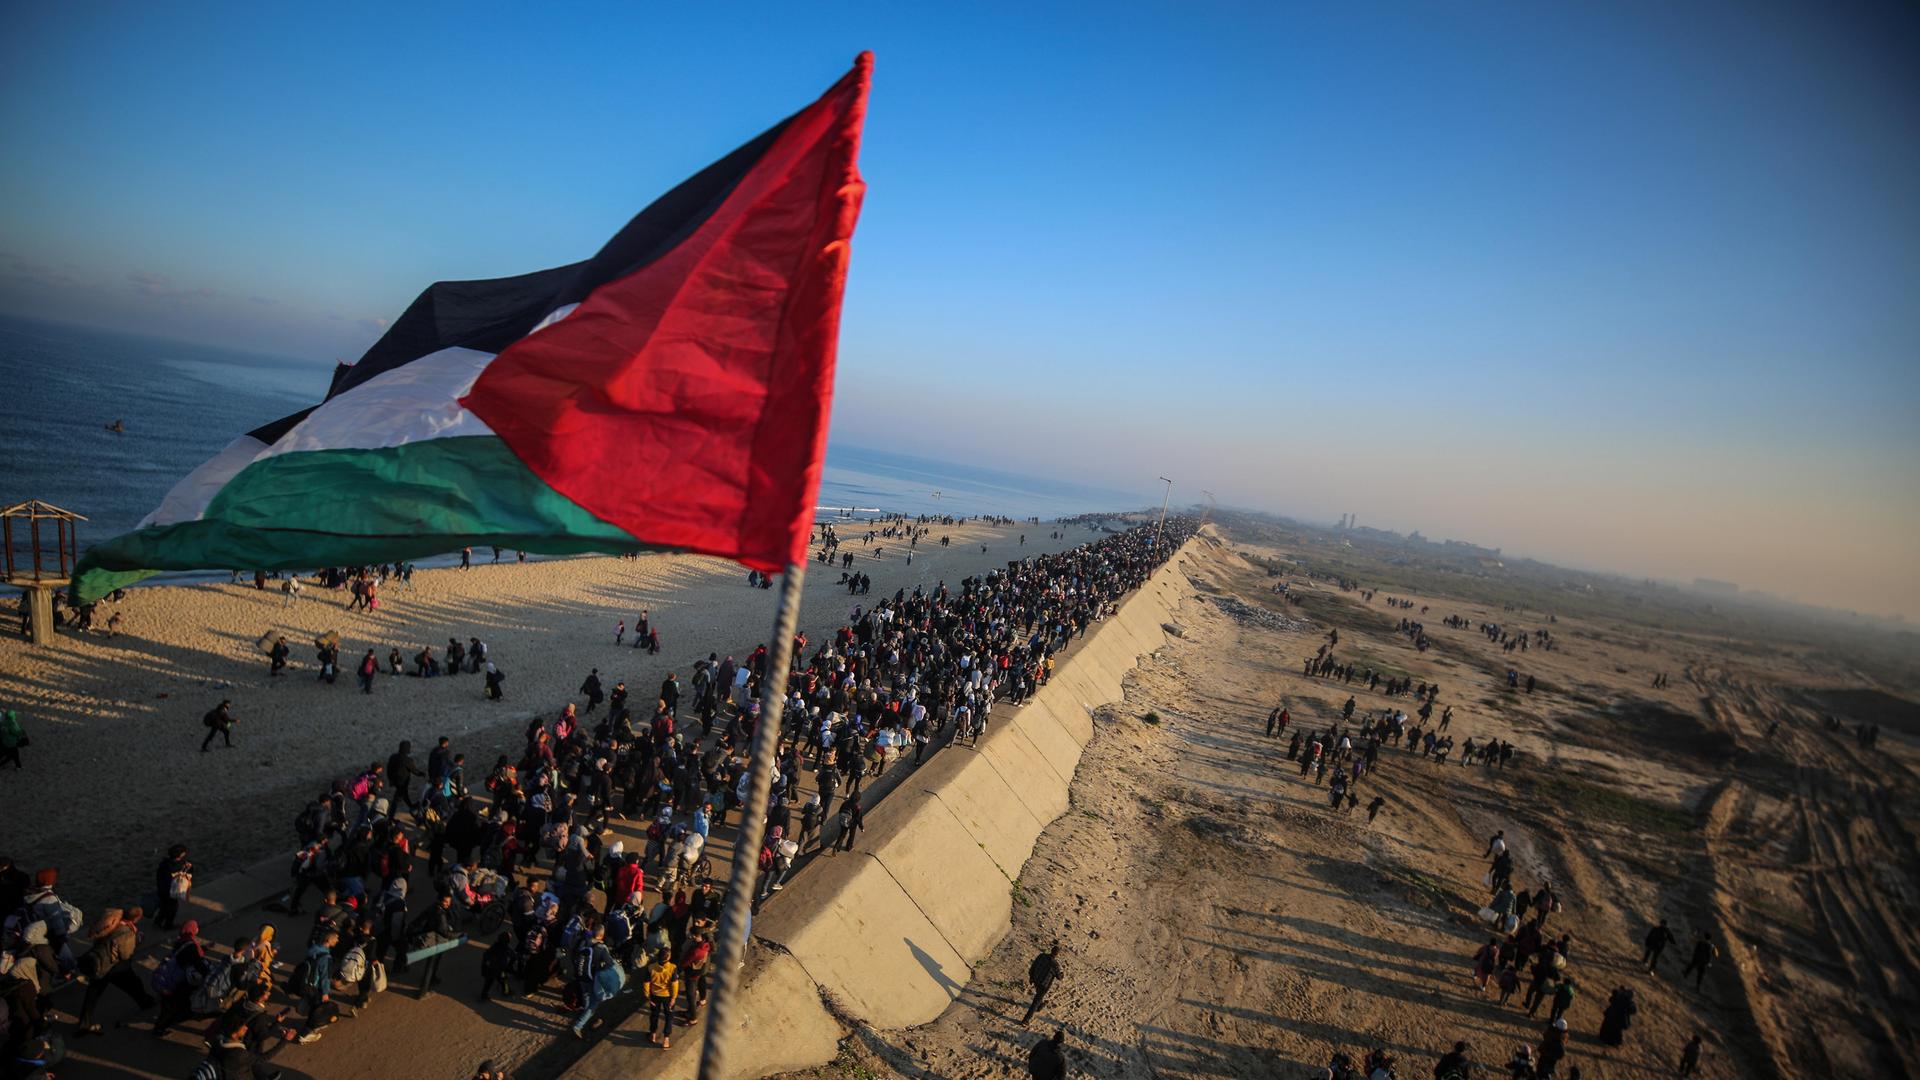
(671, 391)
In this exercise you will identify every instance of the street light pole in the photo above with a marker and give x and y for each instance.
(1158, 529)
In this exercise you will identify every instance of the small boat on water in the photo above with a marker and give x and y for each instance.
(118, 427)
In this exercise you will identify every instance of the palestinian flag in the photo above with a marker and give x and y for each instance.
(670, 392)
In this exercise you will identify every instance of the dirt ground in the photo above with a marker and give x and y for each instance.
(1218, 920)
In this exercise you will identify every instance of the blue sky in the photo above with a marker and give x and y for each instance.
(1629, 285)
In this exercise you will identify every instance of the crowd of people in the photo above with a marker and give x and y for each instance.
(523, 860)
(1522, 956)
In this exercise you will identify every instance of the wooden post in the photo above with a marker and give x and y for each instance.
(40, 608)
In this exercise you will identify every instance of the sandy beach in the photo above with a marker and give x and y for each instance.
(115, 774)
(1217, 919)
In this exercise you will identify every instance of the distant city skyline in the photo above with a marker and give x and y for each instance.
(1623, 286)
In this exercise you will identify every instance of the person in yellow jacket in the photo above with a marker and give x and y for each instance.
(663, 989)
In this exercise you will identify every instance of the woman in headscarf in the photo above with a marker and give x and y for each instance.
(259, 956)
(183, 969)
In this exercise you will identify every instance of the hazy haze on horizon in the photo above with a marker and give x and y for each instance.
(1628, 286)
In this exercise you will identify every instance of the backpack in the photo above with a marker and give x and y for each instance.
(168, 977)
(353, 966)
(619, 927)
(300, 980)
(212, 995)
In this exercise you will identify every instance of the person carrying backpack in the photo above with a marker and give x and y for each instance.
(218, 721)
(600, 978)
(185, 969)
(312, 981)
(115, 936)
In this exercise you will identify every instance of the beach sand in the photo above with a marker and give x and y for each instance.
(1218, 920)
(115, 774)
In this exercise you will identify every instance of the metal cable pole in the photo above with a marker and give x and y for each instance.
(753, 822)
(1163, 515)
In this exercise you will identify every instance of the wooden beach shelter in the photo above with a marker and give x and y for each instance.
(41, 549)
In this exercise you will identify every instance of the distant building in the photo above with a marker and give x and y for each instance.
(1715, 588)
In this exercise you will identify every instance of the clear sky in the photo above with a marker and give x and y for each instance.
(1629, 285)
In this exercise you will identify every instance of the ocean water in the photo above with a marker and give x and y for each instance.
(181, 403)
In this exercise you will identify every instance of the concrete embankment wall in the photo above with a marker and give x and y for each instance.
(891, 930)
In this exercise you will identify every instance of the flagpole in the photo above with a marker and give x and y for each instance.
(753, 822)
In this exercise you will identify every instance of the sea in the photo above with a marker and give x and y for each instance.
(62, 388)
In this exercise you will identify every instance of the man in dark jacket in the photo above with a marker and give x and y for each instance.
(1658, 939)
(439, 761)
(1042, 974)
(1453, 1066)
(237, 1060)
(1045, 1061)
(219, 722)
(401, 769)
(1704, 951)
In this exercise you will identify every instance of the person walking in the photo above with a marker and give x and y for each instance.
(12, 738)
(116, 937)
(1454, 1065)
(369, 666)
(401, 769)
(172, 880)
(496, 967)
(852, 820)
(1690, 1056)
(1657, 941)
(494, 679)
(1618, 1016)
(277, 656)
(1046, 1061)
(174, 981)
(219, 721)
(599, 976)
(592, 689)
(1562, 999)
(1704, 951)
(1041, 975)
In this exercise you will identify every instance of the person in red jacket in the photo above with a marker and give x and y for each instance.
(628, 881)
